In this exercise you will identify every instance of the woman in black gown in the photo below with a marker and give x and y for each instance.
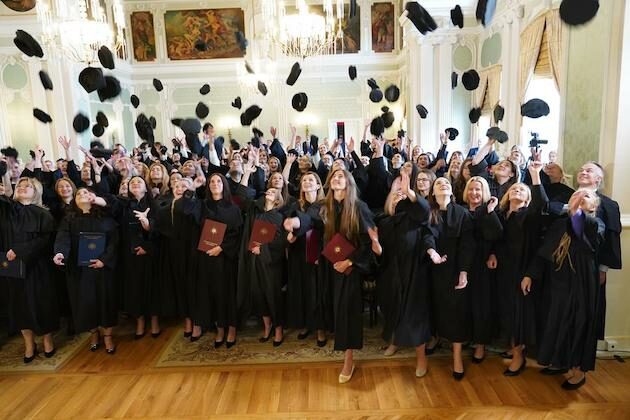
(521, 216)
(140, 292)
(403, 275)
(215, 285)
(487, 229)
(452, 228)
(261, 268)
(342, 212)
(303, 286)
(566, 259)
(92, 289)
(26, 236)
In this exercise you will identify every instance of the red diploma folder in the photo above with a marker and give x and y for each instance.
(262, 233)
(211, 235)
(312, 246)
(338, 249)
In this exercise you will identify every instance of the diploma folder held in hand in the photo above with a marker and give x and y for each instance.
(14, 269)
(211, 235)
(91, 247)
(262, 233)
(338, 249)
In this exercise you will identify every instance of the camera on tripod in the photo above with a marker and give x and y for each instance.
(535, 141)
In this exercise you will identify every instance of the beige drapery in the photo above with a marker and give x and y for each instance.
(531, 38)
(493, 93)
(554, 41)
(479, 94)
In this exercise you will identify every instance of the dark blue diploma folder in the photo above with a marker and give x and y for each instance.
(91, 247)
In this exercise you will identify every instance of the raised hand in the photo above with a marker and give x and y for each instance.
(273, 131)
(492, 204)
(443, 138)
(64, 142)
(351, 145)
(58, 259)
(462, 281)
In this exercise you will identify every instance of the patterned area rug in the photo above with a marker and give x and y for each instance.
(181, 352)
(12, 353)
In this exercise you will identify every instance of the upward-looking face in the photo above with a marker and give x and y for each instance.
(24, 190)
(188, 169)
(553, 171)
(304, 163)
(553, 156)
(277, 180)
(274, 165)
(590, 176)
(397, 161)
(328, 161)
(216, 185)
(181, 186)
(442, 187)
(86, 172)
(518, 193)
(137, 187)
(156, 172)
(83, 196)
(423, 184)
(175, 176)
(504, 169)
(309, 183)
(338, 182)
(423, 161)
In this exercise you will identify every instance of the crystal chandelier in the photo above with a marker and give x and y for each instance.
(78, 28)
(303, 34)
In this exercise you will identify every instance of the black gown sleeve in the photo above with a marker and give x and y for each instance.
(63, 240)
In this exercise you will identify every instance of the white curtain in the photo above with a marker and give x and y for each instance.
(531, 38)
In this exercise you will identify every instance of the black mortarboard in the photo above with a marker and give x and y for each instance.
(144, 128)
(106, 57)
(452, 133)
(485, 11)
(249, 68)
(241, 41)
(299, 101)
(377, 127)
(91, 78)
(27, 44)
(388, 117)
(296, 70)
(255, 141)
(111, 89)
(202, 110)
(176, 122)
(422, 111)
(45, 79)
(454, 78)
(352, 72)
(314, 142)
(474, 115)
(80, 123)
(250, 115)
(495, 133)
(205, 89)
(262, 88)
(12, 151)
(41, 115)
(200, 45)
(376, 95)
(153, 122)
(499, 113)
(98, 130)
(578, 12)
(101, 119)
(157, 84)
(392, 93)
(457, 17)
(235, 145)
(372, 83)
(135, 101)
(236, 103)
(470, 79)
(535, 108)
(420, 18)
(257, 133)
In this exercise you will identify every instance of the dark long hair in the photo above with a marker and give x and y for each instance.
(227, 194)
(74, 210)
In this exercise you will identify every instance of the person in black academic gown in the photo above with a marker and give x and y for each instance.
(26, 235)
(567, 261)
(304, 287)
(260, 268)
(92, 289)
(137, 255)
(342, 212)
(215, 286)
(452, 256)
(403, 276)
(487, 229)
(521, 216)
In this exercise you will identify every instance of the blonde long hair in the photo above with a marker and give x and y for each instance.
(37, 187)
(485, 189)
(505, 200)
(349, 226)
(164, 181)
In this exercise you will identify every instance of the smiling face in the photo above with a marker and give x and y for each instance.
(181, 186)
(309, 183)
(86, 172)
(304, 163)
(503, 169)
(137, 187)
(64, 189)
(338, 182)
(188, 169)
(274, 164)
(83, 196)
(276, 180)
(423, 161)
(590, 176)
(442, 188)
(518, 194)
(475, 194)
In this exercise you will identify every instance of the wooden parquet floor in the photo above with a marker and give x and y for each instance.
(127, 385)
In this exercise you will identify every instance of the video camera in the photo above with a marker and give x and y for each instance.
(535, 141)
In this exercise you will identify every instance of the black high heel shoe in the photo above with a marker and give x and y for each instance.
(517, 372)
(187, 334)
(303, 335)
(430, 350)
(322, 343)
(195, 338)
(230, 344)
(29, 359)
(458, 376)
(568, 386)
(156, 334)
(278, 343)
(264, 339)
(49, 354)
(218, 344)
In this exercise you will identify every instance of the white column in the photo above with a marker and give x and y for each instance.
(428, 126)
(445, 92)
(61, 103)
(511, 36)
(413, 80)
(366, 25)
(38, 95)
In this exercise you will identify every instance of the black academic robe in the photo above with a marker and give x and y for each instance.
(403, 281)
(260, 277)
(515, 252)
(487, 229)
(215, 278)
(141, 294)
(568, 337)
(451, 307)
(92, 291)
(347, 301)
(28, 231)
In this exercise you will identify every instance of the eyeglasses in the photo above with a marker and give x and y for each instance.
(424, 180)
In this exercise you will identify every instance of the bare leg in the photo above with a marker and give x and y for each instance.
(231, 334)
(458, 363)
(321, 335)
(517, 358)
(140, 325)
(155, 324)
(577, 376)
(480, 351)
(220, 334)
(279, 334)
(196, 332)
(107, 338)
(267, 324)
(48, 343)
(421, 359)
(347, 363)
(29, 343)
(187, 325)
